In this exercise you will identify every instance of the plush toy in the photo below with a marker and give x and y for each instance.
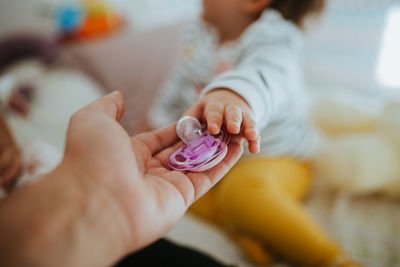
(360, 148)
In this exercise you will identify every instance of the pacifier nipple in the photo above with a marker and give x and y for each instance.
(201, 151)
(189, 130)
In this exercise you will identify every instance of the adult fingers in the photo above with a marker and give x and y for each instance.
(202, 182)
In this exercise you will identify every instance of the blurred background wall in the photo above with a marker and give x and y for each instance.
(354, 45)
(346, 46)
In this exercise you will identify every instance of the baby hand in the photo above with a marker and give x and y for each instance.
(224, 105)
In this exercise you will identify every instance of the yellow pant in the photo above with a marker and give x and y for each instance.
(258, 204)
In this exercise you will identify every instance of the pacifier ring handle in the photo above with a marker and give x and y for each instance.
(201, 150)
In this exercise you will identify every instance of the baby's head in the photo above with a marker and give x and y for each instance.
(222, 13)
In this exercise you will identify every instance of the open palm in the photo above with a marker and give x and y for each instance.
(131, 172)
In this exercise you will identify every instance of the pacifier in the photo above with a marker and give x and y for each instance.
(201, 150)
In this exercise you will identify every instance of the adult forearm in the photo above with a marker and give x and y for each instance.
(58, 222)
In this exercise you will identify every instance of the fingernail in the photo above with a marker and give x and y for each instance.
(213, 128)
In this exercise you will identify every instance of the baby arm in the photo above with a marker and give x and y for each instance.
(224, 105)
(263, 89)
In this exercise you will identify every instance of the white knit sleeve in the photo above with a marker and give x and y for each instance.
(265, 77)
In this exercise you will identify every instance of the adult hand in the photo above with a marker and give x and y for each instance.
(111, 195)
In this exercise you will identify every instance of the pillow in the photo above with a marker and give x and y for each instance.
(135, 63)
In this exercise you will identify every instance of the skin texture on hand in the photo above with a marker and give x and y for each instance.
(111, 195)
(225, 106)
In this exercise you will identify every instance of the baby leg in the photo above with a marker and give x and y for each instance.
(261, 197)
(208, 209)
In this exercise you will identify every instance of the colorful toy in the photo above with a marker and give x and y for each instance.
(87, 20)
(201, 151)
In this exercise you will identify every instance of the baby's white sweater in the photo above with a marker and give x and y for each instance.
(262, 66)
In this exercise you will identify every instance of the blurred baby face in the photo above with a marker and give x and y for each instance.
(217, 11)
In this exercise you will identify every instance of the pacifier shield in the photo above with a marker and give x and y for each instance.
(202, 150)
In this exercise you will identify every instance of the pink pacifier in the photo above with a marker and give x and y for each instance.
(201, 151)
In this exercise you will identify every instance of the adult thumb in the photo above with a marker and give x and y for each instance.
(112, 105)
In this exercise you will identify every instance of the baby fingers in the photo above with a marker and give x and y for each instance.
(233, 117)
(251, 133)
(213, 114)
(254, 146)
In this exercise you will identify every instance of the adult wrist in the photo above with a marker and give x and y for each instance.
(58, 222)
(34, 222)
(98, 224)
